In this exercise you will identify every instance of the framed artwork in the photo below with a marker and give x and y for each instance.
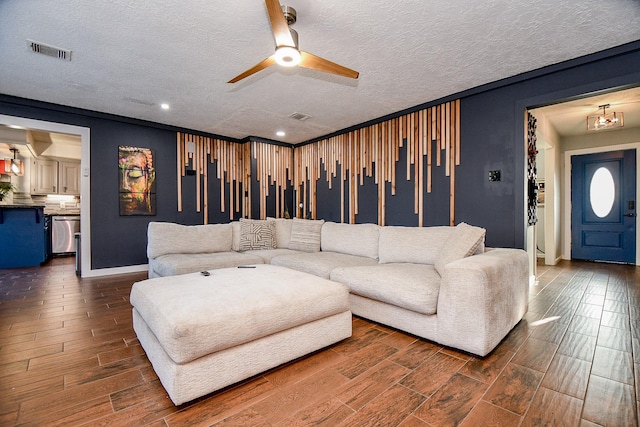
(541, 192)
(136, 182)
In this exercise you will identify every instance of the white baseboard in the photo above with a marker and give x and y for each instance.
(116, 270)
(533, 281)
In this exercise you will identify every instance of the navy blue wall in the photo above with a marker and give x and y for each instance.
(119, 241)
(492, 134)
(493, 129)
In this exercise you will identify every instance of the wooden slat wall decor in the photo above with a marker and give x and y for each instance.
(274, 166)
(424, 134)
(231, 169)
(430, 137)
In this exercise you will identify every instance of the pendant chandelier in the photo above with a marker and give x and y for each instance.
(605, 120)
(13, 166)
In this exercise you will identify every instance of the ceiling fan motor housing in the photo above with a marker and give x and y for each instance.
(290, 14)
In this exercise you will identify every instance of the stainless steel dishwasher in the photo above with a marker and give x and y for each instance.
(63, 230)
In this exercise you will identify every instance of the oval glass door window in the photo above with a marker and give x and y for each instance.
(602, 192)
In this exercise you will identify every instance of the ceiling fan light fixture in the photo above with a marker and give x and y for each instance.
(287, 56)
(605, 120)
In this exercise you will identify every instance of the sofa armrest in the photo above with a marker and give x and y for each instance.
(482, 297)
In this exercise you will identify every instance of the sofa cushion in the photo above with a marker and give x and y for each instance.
(413, 287)
(173, 264)
(268, 254)
(170, 238)
(257, 234)
(305, 235)
(283, 232)
(463, 242)
(320, 263)
(420, 245)
(352, 239)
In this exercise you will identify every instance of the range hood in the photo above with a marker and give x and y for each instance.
(23, 138)
(38, 143)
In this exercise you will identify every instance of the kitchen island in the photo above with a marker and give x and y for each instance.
(24, 233)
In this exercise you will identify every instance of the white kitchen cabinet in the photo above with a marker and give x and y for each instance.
(69, 177)
(55, 177)
(44, 176)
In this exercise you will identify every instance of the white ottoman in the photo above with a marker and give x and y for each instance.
(202, 333)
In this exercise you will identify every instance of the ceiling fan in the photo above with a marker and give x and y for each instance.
(287, 52)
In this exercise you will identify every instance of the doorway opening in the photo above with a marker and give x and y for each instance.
(85, 190)
(562, 134)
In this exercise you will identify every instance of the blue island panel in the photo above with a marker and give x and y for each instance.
(23, 236)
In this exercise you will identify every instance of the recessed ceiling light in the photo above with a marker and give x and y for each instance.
(280, 133)
(164, 106)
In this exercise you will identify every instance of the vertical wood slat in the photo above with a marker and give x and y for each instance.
(438, 137)
(429, 147)
(446, 139)
(417, 157)
(393, 145)
(420, 168)
(452, 162)
(238, 178)
(223, 166)
(382, 208)
(205, 174)
(452, 193)
(196, 166)
(179, 168)
(307, 165)
(409, 131)
(457, 132)
(297, 176)
(246, 212)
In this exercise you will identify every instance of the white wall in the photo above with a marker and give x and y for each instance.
(548, 228)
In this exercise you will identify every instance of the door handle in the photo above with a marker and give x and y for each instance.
(630, 215)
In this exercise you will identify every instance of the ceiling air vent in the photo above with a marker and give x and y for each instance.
(55, 52)
(138, 101)
(299, 116)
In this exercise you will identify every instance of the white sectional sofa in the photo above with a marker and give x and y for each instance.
(439, 283)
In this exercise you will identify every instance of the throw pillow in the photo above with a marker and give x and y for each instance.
(283, 231)
(235, 241)
(463, 242)
(257, 234)
(305, 235)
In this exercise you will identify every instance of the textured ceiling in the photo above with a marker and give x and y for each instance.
(570, 118)
(130, 56)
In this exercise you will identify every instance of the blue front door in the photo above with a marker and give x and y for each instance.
(603, 206)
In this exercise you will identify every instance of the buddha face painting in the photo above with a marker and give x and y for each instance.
(136, 181)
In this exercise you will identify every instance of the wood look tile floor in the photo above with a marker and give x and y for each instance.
(69, 356)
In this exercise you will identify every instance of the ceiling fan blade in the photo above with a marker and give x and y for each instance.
(279, 24)
(308, 60)
(258, 67)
